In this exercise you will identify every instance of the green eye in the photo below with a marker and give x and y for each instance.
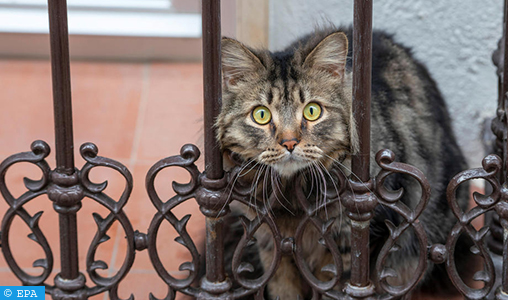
(312, 111)
(261, 115)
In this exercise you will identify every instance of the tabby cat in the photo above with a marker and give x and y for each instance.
(289, 112)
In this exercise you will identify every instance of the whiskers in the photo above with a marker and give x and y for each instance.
(321, 186)
(231, 186)
(265, 183)
(269, 192)
(271, 186)
(276, 189)
(342, 166)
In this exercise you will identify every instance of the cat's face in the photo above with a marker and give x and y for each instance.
(287, 110)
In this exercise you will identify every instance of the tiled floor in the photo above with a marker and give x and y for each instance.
(136, 114)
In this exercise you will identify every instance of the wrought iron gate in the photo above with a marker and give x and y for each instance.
(67, 186)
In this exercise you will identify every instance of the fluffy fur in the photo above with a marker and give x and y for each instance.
(409, 117)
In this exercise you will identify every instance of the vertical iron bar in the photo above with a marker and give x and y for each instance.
(504, 102)
(214, 252)
(501, 82)
(61, 85)
(499, 128)
(362, 68)
(63, 132)
(496, 58)
(360, 255)
(362, 77)
(212, 85)
(69, 246)
(504, 222)
(504, 285)
(212, 79)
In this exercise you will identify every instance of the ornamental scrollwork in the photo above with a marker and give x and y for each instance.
(67, 192)
(359, 199)
(189, 154)
(95, 191)
(390, 198)
(35, 188)
(492, 165)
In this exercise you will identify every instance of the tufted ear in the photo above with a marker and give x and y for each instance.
(329, 55)
(238, 62)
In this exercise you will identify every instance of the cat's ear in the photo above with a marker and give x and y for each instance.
(329, 55)
(238, 62)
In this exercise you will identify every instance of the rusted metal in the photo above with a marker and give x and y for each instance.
(215, 189)
(492, 165)
(502, 109)
(502, 211)
(64, 190)
(188, 156)
(362, 202)
(495, 240)
(210, 196)
(39, 151)
(212, 83)
(95, 192)
(62, 101)
(389, 198)
(362, 81)
(505, 60)
(66, 187)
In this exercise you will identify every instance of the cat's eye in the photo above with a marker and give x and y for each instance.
(312, 111)
(261, 115)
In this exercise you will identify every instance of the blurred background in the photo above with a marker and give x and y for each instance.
(137, 94)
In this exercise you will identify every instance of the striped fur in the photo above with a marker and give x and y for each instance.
(409, 117)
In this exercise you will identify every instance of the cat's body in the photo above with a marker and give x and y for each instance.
(408, 116)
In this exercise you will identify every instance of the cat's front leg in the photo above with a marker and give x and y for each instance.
(286, 283)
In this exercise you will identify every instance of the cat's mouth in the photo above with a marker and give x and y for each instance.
(290, 164)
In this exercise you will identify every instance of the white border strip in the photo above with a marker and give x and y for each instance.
(99, 4)
(145, 24)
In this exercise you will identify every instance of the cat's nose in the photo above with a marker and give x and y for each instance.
(290, 144)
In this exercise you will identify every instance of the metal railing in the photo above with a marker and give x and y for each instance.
(67, 186)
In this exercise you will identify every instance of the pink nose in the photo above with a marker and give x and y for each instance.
(289, 144)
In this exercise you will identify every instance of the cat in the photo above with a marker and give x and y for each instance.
(290, 112)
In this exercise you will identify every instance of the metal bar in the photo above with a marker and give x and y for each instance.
(63, 134)
(504, 222)
(504, 9)
(362, 77)
(505, 63)
(501, 86)
(504, 286)
(360, 259)
(498, 126)
(69, 246)
(61, 85)
(215, 251)
(212, 85)
(212, 81)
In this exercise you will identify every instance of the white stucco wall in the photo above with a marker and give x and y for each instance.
(454, 38)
